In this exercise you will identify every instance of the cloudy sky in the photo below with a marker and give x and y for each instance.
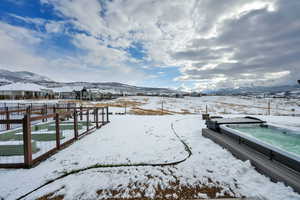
(192, 44)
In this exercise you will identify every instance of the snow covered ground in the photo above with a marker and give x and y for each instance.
(215, 105)
(210, 171)
(144, 139)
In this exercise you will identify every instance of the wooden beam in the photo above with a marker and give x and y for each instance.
(11, 121)
(7, 114)
(57, 128)
(96, 114)
(87, 120)
(27, 141)
(107, 115)
(75, 124)
(42, 117)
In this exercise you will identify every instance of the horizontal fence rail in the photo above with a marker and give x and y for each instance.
(38, 132)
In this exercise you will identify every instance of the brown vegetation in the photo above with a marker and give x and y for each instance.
(175, 191)
(120, 103)
(141, 111)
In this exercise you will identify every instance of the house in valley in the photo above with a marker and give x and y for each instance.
(25, 91)
(67, 92)
(81, 93)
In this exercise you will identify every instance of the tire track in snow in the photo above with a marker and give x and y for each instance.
(186, 147)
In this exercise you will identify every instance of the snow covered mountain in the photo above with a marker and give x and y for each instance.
(282, 90)
(7, 77)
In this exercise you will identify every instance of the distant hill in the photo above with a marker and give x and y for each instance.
(7, 77)
(282, 90)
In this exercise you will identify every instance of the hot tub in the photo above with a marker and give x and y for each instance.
(279, 144)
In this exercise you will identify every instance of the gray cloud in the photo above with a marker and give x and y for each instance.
(200, 54)
(214, 43)
(262, 46)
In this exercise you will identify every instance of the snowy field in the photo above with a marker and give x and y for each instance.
(196, 105)
(213, 104)
(143, 156)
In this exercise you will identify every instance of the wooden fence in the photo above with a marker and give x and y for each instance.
(17, 110)
(42, 133)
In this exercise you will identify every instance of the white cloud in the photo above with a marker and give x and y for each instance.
(14, 51)
(19, 51)
(37, 21)
(215, 43)
(55, 27)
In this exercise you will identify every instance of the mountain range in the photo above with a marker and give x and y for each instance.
(7, 77)
(282, 90)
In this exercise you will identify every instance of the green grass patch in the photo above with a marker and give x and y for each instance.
(15, 149)
(48, 126)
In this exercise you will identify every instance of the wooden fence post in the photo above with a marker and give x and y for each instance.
(7, 118)
(57, 128)
(96, 114)
(269, 107)
(46, 111)
(87, 119)
(75, 124)
(43, 112)
(125, 106)
(28, 110)
(107, 115)
(102, 113)
(27, 141)
(80, 112)
(54, 111)
(68, 110)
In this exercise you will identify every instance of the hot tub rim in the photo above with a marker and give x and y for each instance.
(273, 148)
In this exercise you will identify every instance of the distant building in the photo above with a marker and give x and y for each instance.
(25, 91)
(67, 92)
(82, 93)
(195, 94)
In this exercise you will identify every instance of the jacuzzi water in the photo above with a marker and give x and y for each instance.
(283, 138)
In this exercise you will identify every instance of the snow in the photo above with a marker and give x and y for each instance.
(22, 87)
(217, 105)
(134, 139)
(4, 80)
(67, 88)
(142, 139)
(11, 143)
(26, 101)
